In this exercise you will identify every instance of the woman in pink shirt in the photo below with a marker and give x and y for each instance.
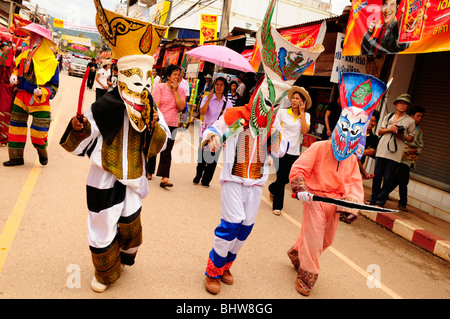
(170, 99)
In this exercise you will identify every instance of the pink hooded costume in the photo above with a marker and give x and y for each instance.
(328, 169)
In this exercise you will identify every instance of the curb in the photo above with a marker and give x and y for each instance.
(413, 233)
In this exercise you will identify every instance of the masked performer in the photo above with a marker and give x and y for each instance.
(37, 79)
(328, 169)
(117, 133)
(246, 153)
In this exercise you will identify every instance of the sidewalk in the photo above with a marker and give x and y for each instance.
(420, 228)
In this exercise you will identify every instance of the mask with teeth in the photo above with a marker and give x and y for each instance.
(359, 94)
(346, 134)
(135, 74)
(283, 64)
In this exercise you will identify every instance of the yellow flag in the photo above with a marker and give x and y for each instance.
(57, 23)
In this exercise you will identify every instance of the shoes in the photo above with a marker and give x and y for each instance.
(205, 185)
(149, 177)
(43, 157)
(196, 180)
(212, 285)
(276, 212)
(301, 289)
(402, 207)
(165, 183)
(293, 256)
(14, 162)
(227, 277)
(98, 286)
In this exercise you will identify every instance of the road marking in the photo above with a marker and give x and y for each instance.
(12, 224)
(338, 254)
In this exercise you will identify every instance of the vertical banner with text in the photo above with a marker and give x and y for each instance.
(208, 28)
(346, 63)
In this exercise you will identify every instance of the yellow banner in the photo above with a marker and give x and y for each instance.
(58, 23)
(208, 28)
(162, 14)
(77, 40)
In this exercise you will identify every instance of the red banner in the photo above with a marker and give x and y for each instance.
(171, 56)
(253, 57)
(303, 37)
(398, 27)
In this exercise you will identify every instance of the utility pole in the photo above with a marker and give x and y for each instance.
(225, 24)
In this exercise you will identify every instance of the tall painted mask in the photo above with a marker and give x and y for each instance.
(359, 95)
(283, 64)
(133, 43)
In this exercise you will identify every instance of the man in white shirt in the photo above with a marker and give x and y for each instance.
(182, 82)
(102, 79)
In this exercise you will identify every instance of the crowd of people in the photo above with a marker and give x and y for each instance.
(115, 231)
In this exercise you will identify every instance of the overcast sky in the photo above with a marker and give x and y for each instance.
(82, 12)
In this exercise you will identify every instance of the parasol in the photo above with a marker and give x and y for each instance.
(222, 56)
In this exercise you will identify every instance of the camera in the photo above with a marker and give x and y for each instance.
(400, 129)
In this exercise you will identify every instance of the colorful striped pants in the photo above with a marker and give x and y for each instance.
(18, 126)
(239, 208)
(114, 224)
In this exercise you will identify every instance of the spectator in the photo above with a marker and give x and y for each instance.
(102, 79)
(93, 66)
(232, 95)
(183, 83)
(241, 90)
(371, 143)
(156, 78)
(208, 84)
(332, 115)
(395, 129)
(410, 155)
(170, 99)
(294, 122)
(212, 107)
(112, 81)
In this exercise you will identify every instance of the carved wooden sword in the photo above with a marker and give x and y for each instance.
(348, 204)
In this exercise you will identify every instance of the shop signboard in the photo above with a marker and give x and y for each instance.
(347, 63)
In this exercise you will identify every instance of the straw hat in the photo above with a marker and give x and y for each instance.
(303, 92)
(106, 62)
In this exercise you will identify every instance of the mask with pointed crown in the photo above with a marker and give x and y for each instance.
(359, 96)
(133, 43)
(283, 64)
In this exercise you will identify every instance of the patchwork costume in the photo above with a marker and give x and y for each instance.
(328, 169)
(37, 78)
(251, 139)
(117, 136)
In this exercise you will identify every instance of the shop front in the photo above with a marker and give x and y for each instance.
(425, 76)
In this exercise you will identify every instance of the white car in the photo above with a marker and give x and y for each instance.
(78, 66)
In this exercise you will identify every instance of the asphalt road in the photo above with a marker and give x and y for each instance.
(44, 251)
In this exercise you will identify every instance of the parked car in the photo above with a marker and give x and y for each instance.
(78, 66)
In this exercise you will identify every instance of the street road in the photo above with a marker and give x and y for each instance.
(44, 251)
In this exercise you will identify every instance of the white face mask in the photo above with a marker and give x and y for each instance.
(347, 133)
(135, 74)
